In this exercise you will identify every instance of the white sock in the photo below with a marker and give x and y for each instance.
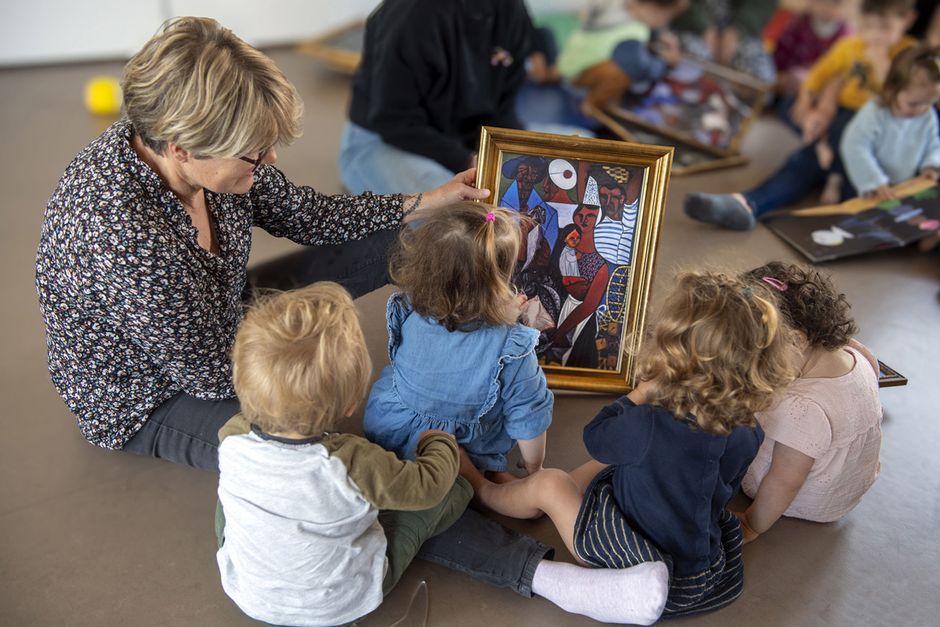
(634, 595)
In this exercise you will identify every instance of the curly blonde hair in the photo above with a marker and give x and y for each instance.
(457, 266)
(197, 85)
(300, 361)
(718, 352)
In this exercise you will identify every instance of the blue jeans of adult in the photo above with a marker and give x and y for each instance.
(366, 163)
(800, 174)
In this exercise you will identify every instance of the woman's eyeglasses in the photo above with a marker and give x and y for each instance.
(256, 162)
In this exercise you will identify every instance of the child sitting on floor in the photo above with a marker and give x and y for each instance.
(460, 360)
(678, 446)
(820, 453)
(895, 137)
(838, 85)
(614, 49)
(301, 538)
(805, 39)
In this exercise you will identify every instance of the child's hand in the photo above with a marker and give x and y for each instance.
(930, 173)
(815, 123)
(669, 48)
(801, 108)
(728, 45)
(883, 192)
(749, 534)
(539, 71)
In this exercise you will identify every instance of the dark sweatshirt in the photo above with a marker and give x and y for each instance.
(434, 71)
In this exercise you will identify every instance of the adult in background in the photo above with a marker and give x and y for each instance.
(432, 73)
(142, 260)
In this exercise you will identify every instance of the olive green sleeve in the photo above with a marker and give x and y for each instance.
(236, 425)
(390, 483)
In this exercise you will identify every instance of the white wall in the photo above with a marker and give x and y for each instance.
(53, 31)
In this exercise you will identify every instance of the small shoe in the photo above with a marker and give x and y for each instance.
(719, 209)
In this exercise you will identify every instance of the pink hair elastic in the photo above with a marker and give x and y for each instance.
(777, 284)
(490, 216)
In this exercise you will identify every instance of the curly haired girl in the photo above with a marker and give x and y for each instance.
(820, 453)
(668, 456)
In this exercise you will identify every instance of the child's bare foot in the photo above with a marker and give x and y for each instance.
(824, 154)
(832, 190)
(500, 476)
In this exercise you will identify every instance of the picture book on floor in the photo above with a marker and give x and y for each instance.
(861, 225)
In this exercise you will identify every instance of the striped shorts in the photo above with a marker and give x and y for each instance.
(605, 539)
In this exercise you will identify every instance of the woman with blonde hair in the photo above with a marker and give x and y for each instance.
(142, 261)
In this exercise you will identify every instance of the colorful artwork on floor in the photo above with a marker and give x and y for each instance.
(703, 102)
(861, 226)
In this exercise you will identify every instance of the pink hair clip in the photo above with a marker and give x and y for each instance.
(777, 284)
(490, 216)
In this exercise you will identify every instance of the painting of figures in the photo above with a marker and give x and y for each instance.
(589, 213)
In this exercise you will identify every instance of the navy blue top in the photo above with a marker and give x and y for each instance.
(671, 479)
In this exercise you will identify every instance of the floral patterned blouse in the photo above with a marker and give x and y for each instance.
(136, 310)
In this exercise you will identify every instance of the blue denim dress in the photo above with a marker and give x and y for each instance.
(485, 386)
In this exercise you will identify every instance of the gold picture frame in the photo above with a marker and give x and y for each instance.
(589, 249)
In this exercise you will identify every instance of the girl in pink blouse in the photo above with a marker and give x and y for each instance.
(820, 453)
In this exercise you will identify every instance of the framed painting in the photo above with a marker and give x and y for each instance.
(888, 377)
(593, 214)
(339, 49)
(690, 156)
(697, 101)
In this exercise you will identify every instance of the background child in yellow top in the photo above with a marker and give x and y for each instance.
(841, 82)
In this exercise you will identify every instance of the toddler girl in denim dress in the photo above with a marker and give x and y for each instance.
(460, 360)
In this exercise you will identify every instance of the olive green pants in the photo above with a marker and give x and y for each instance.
(405, 532)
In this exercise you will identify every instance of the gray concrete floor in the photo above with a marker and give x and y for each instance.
(91, 537)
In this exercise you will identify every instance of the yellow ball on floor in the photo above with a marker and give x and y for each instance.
(103, 95)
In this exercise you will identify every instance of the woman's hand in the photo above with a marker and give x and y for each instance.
(458, 188)
(930, 173)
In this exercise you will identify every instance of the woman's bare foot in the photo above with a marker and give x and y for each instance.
(832, 190)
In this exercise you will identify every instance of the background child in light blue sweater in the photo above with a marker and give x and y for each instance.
(895, 137)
